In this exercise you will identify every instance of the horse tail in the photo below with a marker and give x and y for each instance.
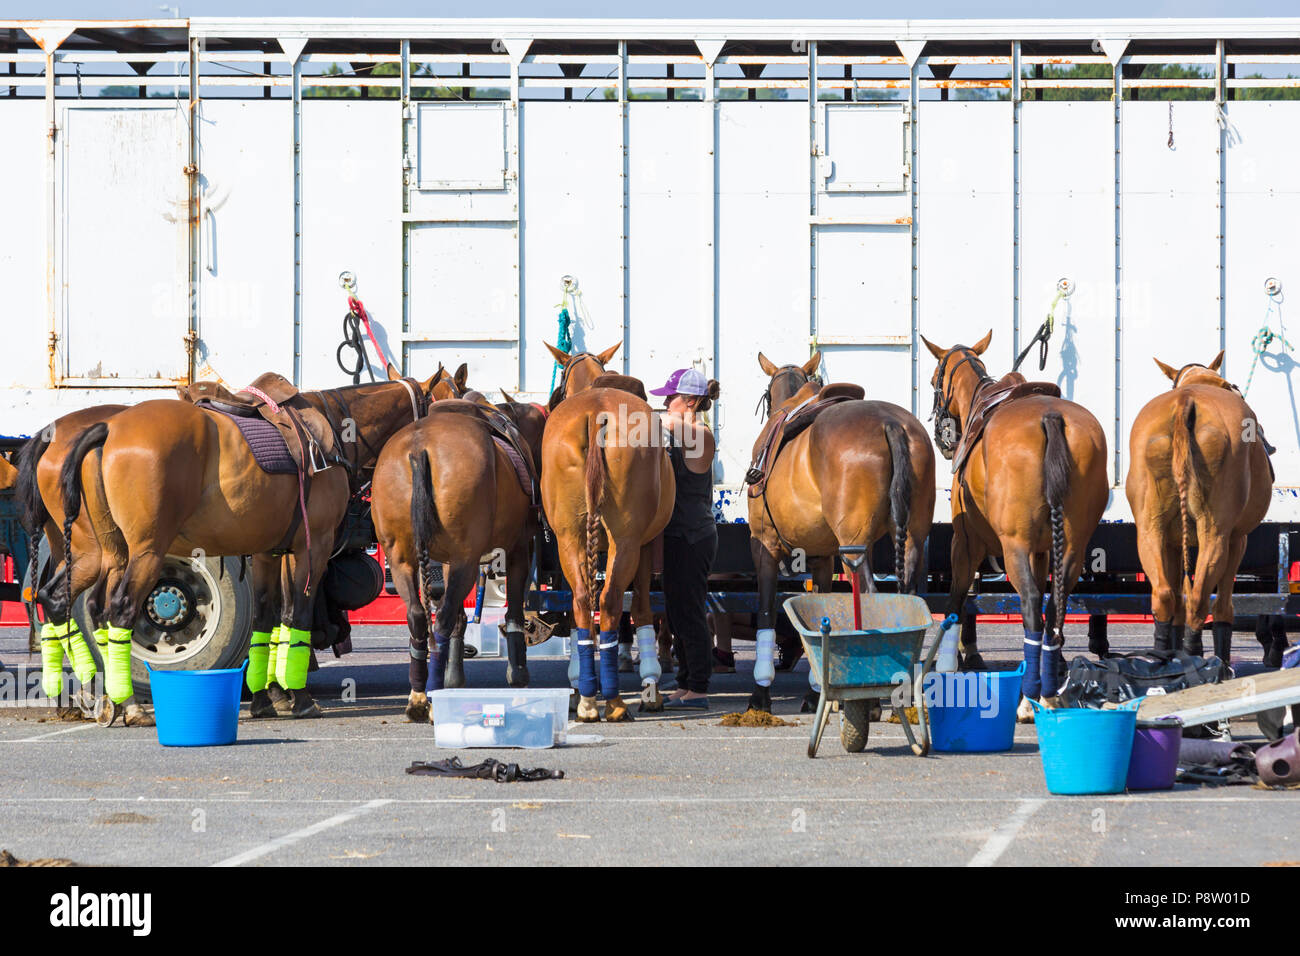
(32, 513)
(595, 484)
(1058, 463)
(70, 486)
(1181, 455)
(900, 498)
(424, 522)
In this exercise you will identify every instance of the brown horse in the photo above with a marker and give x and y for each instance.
(860, 470)
(172, 478)
(1029, 489)
(607, 484)
(1199, 478)
(445, 490)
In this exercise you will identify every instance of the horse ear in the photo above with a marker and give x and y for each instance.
(1218, 360)
(810, 366)
(507, 397)
(462, 374)
(560, 356)
(766, 364)
(934, 349)
(608, 354)
(1171, 372)
(393, 374)
(979, 347)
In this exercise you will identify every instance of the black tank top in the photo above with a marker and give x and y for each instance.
(692, 517)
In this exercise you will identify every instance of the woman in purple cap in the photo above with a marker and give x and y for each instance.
(691, 538)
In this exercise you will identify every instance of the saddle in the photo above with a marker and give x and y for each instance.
(505, 435)
(791, 423)
(624, 383)
(988, 399)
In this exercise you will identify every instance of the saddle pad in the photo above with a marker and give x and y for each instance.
(264, 441)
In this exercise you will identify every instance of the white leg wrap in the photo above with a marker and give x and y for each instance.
(765, 657)
(573, 662)
(649, 651)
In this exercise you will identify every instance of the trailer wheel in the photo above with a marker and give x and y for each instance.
(196, 618)
(855, 724)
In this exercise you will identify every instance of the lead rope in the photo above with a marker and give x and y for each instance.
(1044, 333)
(1266, 336)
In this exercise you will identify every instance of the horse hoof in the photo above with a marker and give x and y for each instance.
(761, 700)
(136, 716)
(973, 661)
(587, 712)
(279, 699)
(516, 676)
(304, 706)
(417, 707)
(106, 712)
(1273, 657)
(1025, 712)
(262, 706)
(651, 700)
(616, 711)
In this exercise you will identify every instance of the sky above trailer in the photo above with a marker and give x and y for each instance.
(668, 9)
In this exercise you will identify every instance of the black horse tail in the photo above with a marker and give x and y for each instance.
(1183, 466)
(70, 486)
(424, 523)
(595, 485)
(1057, 466)
(900, 499)
(32, 513)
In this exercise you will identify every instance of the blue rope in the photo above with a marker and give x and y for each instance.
(564, 341)
(1262, 340)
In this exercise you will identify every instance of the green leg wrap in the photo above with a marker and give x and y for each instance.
(83, 663)
(117, 665)
(297, 659)
(101, 641)
(259, 652)
(276, 659)
(51, 662)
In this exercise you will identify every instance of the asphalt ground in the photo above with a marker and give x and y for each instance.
(665, 789)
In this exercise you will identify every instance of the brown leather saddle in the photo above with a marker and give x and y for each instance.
(994, 394)
(791, 423)
(505, 435)
(624, 383)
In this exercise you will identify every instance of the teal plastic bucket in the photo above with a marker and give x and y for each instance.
(196, 708)
(972, 711)
(1084, 750)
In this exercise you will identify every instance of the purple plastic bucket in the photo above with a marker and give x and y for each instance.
(1154, 762)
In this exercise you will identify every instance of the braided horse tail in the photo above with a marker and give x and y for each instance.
(1057, 465)
(70, 485)
(32, 513)
(900, 499)
(595, 484)
(424, 522)
(1183, 465)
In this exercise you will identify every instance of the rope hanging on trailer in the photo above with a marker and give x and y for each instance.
(352, 340)
(1266, 336)
(564, 337)
(1043, 335)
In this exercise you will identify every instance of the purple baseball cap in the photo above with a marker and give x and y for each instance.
(684, 381)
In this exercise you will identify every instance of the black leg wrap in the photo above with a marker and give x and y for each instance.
(1098, 640)
(1193, 642)
(1222, 631)
(1164, 636)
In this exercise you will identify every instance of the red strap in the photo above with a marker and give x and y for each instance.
(355, 305)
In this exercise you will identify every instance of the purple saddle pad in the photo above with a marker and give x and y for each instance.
(264, 441)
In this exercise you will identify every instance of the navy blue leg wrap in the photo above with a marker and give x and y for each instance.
(437, 662)
(586, 661)
(608, 647)
(1051, 670)
(1031, 684)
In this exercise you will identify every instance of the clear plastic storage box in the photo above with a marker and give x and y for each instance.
(533, 718)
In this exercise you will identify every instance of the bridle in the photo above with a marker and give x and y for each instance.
(765, 400)
(947, 427)
(568, 369)
(356, 481)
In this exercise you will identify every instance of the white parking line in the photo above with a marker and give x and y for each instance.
(53, 733)
(997, 844)
(290, 838)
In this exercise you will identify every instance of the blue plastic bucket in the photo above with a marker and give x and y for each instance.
(974, 711)
(196, 708)
(1084, 750)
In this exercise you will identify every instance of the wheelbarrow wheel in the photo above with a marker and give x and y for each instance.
(855, 724)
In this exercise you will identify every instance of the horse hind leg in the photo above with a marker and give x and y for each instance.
(621, 568)
(517, 565)
(643, 619)
(447, 655)
(1223, 610)
(1019, 564)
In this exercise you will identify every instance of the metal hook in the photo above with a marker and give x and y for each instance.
(1273, 287)
(348, 281)
(1065, 287)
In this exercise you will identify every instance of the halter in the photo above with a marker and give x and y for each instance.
(1178, 378)
(765, 400)
(947, 428)
(568, 368)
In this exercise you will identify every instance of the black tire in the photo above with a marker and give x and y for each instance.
(855, 724)
(219, 644)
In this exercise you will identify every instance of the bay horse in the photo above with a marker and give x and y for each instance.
(1199, 479)
(445, 490)
(1029, 489)
(860, 470)
(172, 478)
(607, 484)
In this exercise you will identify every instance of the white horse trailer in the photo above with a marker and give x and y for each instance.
(183, 195)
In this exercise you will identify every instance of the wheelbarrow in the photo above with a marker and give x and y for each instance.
(863, 647)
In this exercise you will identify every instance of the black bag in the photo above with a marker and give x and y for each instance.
(1128, 676)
